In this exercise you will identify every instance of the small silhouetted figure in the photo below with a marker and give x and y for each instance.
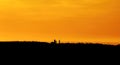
(59, 42)
(54, 42)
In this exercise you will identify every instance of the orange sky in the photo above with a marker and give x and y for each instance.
(67, 20)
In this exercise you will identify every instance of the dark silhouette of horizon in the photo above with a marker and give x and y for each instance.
(54, 44)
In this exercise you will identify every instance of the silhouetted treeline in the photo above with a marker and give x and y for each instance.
(33, 44)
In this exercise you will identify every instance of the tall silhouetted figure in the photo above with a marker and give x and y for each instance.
(59, 42)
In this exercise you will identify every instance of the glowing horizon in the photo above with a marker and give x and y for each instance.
(65, 20)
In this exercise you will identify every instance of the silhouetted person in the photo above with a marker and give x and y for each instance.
(59, 41)
(55, 41)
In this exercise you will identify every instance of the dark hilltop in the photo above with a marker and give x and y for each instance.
(54, 44)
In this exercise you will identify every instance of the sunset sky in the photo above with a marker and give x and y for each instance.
(65, 20)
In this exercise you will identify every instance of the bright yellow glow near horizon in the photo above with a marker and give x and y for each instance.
(67, 20)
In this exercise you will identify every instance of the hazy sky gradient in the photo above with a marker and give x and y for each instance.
(68, 20)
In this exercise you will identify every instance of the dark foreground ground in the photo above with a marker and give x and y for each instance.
(53, 45)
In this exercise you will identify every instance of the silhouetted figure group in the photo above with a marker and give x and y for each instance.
(55, 42)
